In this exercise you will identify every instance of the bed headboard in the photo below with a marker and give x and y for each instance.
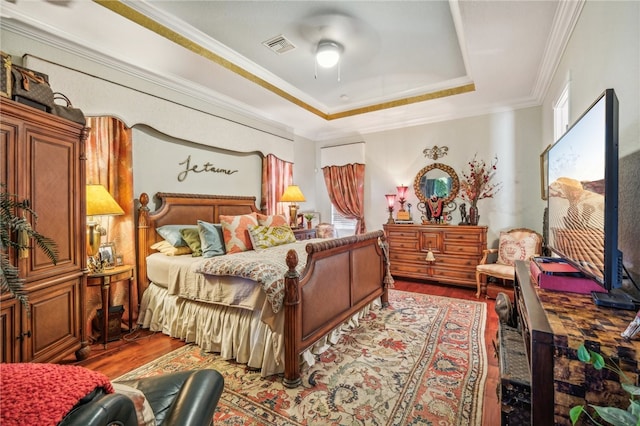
(181, 209)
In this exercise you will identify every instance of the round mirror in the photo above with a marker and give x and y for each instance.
(436, 179)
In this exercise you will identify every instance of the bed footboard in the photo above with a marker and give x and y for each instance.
(341, 277)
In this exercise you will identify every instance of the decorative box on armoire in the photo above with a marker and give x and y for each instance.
(456, 250)
(42, 161)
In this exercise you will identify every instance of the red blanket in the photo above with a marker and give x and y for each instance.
(42, 394)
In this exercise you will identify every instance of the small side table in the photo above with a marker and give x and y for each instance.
(104, 280)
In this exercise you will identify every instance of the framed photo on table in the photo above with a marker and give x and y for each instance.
(107, 253)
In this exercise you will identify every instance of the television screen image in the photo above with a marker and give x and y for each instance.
(583, 193)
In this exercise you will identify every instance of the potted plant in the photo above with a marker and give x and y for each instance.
(13, 220)
(612, 415)
(309, 217)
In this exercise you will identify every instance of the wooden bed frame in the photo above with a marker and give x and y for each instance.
(341, 276)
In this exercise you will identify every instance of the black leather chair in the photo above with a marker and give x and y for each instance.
(182, 398)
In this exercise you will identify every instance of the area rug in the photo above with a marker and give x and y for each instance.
(422, 361)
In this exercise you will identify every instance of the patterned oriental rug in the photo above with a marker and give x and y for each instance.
(422, 361)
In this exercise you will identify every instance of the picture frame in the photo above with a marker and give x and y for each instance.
(107, 253)
(544, 184)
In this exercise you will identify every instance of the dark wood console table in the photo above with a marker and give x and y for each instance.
(554, 325)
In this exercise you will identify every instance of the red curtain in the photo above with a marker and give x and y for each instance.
(345, 185)
(277, 175)
(109, 163)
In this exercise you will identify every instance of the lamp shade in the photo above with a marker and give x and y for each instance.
(391, 199)
(402, 191)
(328, 54)
(292, 194)
(100, 202)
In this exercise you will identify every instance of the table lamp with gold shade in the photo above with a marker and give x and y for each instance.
(293, 195)
(99, 203)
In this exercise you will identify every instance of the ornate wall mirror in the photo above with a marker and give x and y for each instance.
(436, 186)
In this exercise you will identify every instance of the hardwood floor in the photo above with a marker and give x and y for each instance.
(141, 346)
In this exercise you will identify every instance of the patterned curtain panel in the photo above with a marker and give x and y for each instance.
(109, 163)
(345, 185)
(277, 175)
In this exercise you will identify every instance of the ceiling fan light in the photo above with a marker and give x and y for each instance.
(328, 54)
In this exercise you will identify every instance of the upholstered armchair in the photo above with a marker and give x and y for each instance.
(325, 230)
(516, 244)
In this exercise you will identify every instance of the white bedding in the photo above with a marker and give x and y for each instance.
(178, 275)
(223, 314)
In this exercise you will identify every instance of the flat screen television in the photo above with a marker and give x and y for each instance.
(582, 198)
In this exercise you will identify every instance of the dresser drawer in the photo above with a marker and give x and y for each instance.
(453, 261)
(460, 248)
(412, 257)
(399, 233)
(463, 237)
(403, 244)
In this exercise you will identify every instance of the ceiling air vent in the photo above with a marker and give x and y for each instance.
(279, 44)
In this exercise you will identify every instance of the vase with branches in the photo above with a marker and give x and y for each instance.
(477, 183)
(14, 220)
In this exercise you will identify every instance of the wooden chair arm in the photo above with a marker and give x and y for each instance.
(485, 254)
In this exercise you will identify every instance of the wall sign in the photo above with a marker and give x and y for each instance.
(206, 167)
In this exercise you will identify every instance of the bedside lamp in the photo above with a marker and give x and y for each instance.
(293, 195)
(391, 200)
(402, 213)
(99, 203)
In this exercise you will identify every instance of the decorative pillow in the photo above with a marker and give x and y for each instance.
(171, 233)
(274, 220)
(511, 249)
(235, 230)
(263, 237)
(167, 249)
(325, 230)
(192, 237)
(144, 412)
(211, 239)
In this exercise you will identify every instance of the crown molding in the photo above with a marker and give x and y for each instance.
(564, 22)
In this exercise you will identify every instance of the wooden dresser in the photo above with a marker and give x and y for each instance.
(42, 161)
(456, 249)
(553, 325)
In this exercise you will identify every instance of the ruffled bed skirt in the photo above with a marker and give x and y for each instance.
(235, 333)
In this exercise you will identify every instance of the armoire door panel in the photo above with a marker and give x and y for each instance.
(54, 321)
(52, 197)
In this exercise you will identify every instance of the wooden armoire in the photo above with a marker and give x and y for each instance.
(42, 161)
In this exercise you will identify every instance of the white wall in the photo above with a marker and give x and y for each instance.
(180, 125)
(395, 157)
(159, 165)
(604, 52)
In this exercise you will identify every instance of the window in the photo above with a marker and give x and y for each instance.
(561, 114)
(342, 225)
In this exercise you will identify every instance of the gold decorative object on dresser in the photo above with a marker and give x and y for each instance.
(42, 162)
(453, 252)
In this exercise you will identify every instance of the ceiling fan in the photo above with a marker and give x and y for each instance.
(357, 39)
